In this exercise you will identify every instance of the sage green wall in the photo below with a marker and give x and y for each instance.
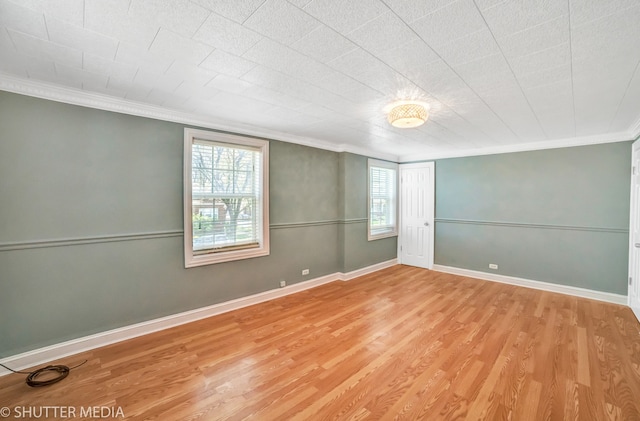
(91, 223)
(303, 184)
(357, 251)
(559, 215)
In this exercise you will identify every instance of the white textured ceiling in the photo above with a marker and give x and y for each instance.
(499, 75)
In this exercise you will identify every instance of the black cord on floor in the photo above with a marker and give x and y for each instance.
(62, 370)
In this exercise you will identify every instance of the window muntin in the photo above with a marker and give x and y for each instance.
(226, 210)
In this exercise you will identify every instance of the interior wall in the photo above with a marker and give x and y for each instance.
(559, 215)
(91, 220)
(357, 251)
(91, 223)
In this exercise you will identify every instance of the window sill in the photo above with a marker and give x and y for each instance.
(381, 236)
(229, 256)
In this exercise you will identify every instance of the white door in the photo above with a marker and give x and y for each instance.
(634, 233)
(415, 241)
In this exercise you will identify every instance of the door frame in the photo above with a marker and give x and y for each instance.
(432, 188)
(634, 203)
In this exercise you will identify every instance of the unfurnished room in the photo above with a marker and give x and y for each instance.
(320, 209)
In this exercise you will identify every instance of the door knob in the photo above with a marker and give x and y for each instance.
(637, 245)
(426, 224)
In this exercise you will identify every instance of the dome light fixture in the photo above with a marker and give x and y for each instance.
(407, 114)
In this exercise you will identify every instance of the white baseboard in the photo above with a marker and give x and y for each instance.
(55, 352)
(367, 270)
(528, 283)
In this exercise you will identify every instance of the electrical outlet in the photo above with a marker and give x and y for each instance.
(305, 271)
(283, 284)
(493, 266)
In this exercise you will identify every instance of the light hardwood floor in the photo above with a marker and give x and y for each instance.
(402, 343)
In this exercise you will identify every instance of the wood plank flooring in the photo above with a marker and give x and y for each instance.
(403, 343)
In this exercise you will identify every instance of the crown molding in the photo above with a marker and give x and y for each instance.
(524, 147)
(98, 101)
(635, 130)
(67, 95)
(368, 153)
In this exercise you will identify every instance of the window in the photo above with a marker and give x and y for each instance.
(226, 206)
(382, 199)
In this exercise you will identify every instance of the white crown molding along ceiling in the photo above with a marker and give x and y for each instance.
(106, 103)
(634, 131)
(495, 77)
(103, 102)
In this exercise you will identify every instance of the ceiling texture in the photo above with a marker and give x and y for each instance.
(498, 75)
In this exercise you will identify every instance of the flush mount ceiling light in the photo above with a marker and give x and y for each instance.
(407, 114)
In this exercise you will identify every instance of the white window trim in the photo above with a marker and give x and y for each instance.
(193, 260)
(381, 164)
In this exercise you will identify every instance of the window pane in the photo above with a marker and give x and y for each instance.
(382, 182)
(224, 197)
(382, 199)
